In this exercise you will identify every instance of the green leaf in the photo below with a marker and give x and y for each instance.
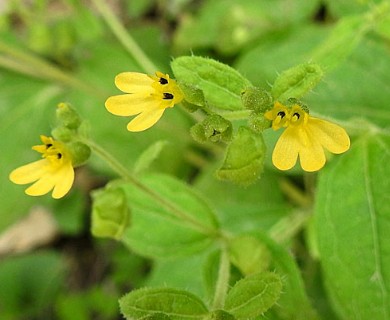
(352, 222)
(293, 287)
(249, 255)
(244, 158)
(221, 84)
(347, 34)
(253, 295)
(297, 81)
(345, 96)
(175, 221)
(177, 304)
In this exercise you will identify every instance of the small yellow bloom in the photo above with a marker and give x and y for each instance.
(147, 97)
(53, 172)
(304, 136)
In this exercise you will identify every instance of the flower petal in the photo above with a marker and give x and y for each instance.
(286, 150)
(44, 185)
(133, 82)
(145, 120)
(64, 181)
(330, 135)
(131, 104)
(311, 155)
(29, 172)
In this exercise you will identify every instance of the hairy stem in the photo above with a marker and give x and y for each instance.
(124, 37)
(222, 285)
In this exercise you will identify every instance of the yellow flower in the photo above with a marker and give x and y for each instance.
(305, 136)
(53, 172)
(147, 96)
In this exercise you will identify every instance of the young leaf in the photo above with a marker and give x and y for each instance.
(297, 81)
(177, 304)
(253, 295)
(352, 215)
(169, 219)
(148, 156)
(249, 255)
(244, 159)
(221, 84)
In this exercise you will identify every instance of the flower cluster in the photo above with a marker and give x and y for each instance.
(304, 136)
(53, 172)
(147, 97)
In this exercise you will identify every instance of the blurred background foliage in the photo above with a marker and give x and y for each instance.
(62, 50)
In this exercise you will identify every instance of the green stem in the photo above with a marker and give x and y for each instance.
(27, 63)
(288, 227)
(124, 37)
(127, 176)
(222, 285)
(236, 115)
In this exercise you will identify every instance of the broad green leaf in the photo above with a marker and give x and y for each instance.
(342, 8)
(253, 295)
(352, 223)
(228, 26)
(347, 34)
(358, 88)
(219, 315)
(296, 81)
(175, 221)
(221, 84)
(278, 52)
(256, 207)
(244, 160)
(177, 304)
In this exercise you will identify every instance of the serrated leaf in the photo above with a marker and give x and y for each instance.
(177, 304)
(221, 84)
(182, 223)
(352, 215)
(253, 295)
(297, 81)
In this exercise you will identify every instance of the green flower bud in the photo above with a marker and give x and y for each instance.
(214, 128)
(293, 101)
(63, 134)
(79, 151)
(192, 94)
(110, 213)
(67, 116)
(219, 315)
(256, 99)
(244, 158)
(258, 123)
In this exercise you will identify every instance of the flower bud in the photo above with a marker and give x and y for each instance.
(79, 152)
(293, 101)
(192, 94)
(256, 99)
(214, 128)
(67, 116)
(258, 123)
(110, 213)
(63, 134)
